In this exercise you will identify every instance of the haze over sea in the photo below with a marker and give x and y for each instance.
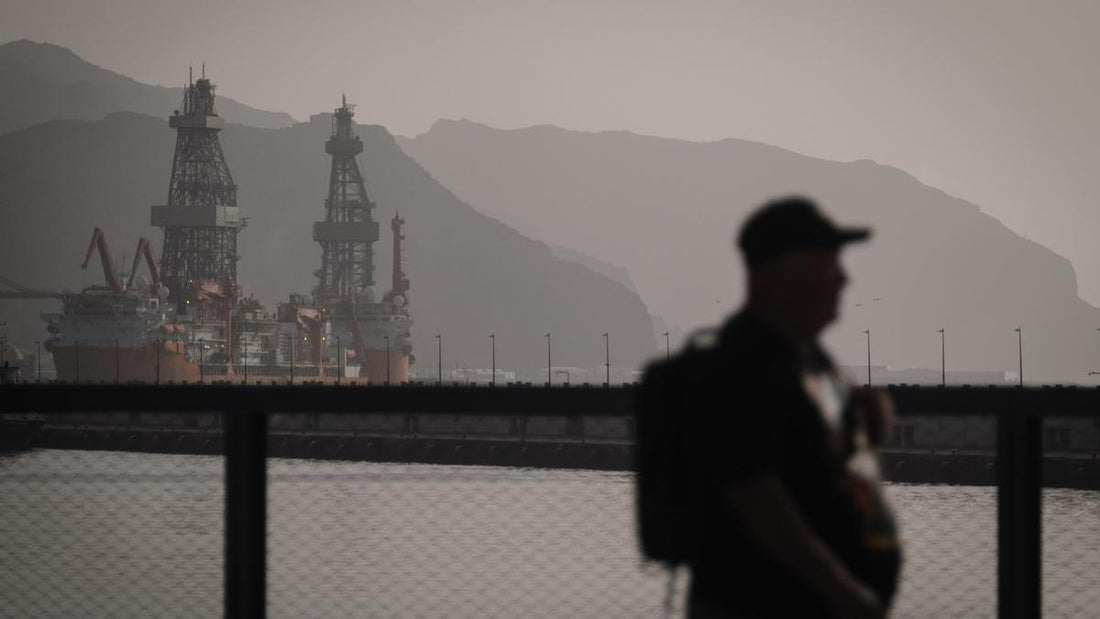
(126, 534)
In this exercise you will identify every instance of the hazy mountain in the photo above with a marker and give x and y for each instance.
(666, 210)
(606, 269)
(471, 275)
(47, 82)
(621, 275)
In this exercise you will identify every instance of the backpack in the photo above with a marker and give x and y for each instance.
(669, 492)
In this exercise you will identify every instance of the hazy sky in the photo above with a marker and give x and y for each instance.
(993, 101)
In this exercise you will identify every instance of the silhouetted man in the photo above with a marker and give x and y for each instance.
(793, 524)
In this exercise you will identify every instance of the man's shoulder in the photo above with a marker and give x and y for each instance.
(752, 355)
(740, 353)
(742, 339)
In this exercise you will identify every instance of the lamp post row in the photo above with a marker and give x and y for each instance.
(493, 353)
(943, 355)
(549, 381)
(668, 354)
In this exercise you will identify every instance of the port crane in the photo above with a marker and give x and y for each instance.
(99, 241)
(15, 290)
(144, 250)
(11, 289)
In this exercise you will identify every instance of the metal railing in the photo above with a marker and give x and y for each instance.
(1019, 413)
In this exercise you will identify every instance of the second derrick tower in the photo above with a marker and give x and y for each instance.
(348, 233)
(375, 326)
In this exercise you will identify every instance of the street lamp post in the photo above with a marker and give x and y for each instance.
(566, 372)
(607, 358)
(549, 380)
(668, 350)
(943, 359)
(202, 368)
(493, 341)
(339, 360)
(868, 333)
(439, 357)
(292, 338)
(387, 359)
(1020, 345)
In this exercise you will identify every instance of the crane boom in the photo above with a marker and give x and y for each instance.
(22, 292)
(144, 249)
(29, 294)
(99, 241)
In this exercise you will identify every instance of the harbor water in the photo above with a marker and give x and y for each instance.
(131, 534)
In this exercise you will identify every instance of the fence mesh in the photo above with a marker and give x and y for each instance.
(416, 540)
(1071, 518)
(126, 533)
(950, 546)
(100, 533)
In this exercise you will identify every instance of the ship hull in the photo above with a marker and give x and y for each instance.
(375, 369)
(107, 364)
(98, 364)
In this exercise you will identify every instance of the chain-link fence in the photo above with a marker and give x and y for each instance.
(110, 534)
(466, 515)
(415, 540)
(1071, 517)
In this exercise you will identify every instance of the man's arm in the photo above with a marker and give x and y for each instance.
(875, 413)
(768, 514)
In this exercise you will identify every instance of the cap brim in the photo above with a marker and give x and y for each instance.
(852, 235)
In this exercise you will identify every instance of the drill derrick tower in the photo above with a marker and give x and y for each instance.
(348, 233)
(376, 327)
(201, 219)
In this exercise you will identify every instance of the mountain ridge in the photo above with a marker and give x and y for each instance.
(667, 209)
(54, 82)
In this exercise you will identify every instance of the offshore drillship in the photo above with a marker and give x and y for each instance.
(191, 323)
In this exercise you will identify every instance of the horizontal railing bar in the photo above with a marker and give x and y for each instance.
(1052, 401)
(249, 399)
(485, 400)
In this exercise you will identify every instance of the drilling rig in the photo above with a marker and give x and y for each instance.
(377, 328)
(229, 334)
(193, 323)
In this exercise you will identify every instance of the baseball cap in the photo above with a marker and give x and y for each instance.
(788, 224)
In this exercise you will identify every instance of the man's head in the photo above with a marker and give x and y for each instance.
(792, 252)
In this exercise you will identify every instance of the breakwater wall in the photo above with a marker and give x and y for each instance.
(526, 441)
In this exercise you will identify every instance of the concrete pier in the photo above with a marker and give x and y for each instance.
(544, 442)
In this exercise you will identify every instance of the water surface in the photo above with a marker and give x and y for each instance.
(107, 534)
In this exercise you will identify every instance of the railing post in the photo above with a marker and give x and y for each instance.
(1019, 511)
(245, 514)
